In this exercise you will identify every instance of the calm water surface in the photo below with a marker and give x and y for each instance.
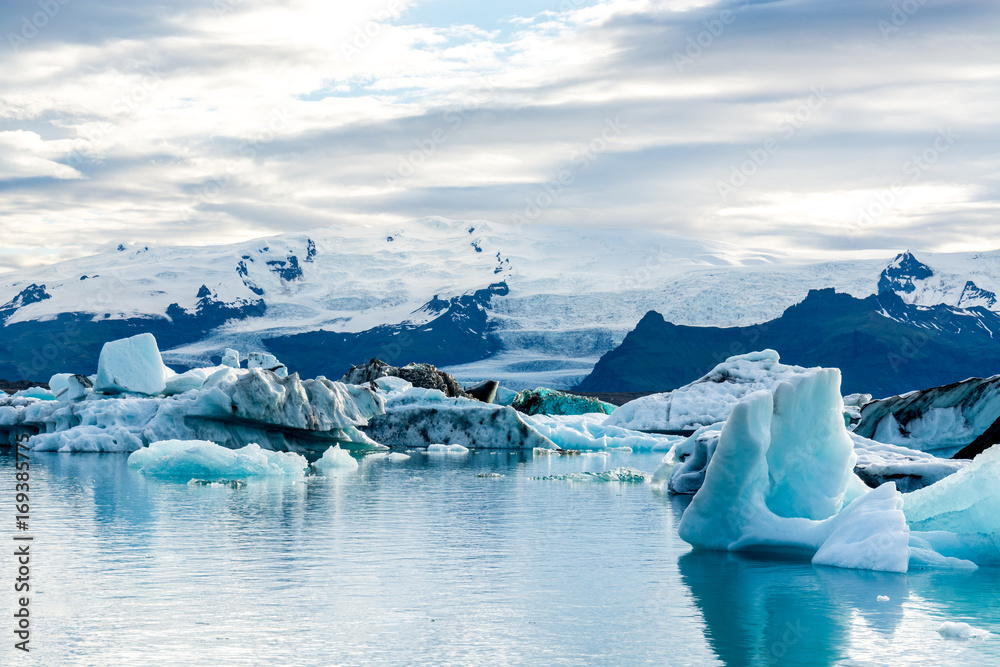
(422, 562)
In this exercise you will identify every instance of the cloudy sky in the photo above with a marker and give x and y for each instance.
(804, 126)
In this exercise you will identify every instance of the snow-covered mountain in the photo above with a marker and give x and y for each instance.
(525, 305)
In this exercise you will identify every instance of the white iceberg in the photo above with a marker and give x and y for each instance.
(231, 358)
(438, 448)
(589, 432)
(779, 477)
(335, 458)
(131, 365)
(940, 419)
(198, 459)
(956, 630)
(707, 400)
(224, 405)
(266, 361)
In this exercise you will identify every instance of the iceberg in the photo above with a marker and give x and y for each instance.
(231, 358)
(708, 400)
(438, 448)
(131, 365)
(267, 361)
(779, 477)
(198, 459)
(621, 474)
(225, 405)
(543, 401)
(589, 432)
(909, 469)
(943, 420)
(335, 458)
(419, 417)
(959, 516)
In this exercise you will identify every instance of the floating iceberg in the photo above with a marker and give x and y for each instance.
(336, 458)
(960, 515)
(621, 474)
(589, 432)
(909, 469)
(266, 361)
(225, 405)
(955, 630)
(707, 400)
(438, 448)
(940, 419)
(419, 417)
(778, 479)
(198, 459)
(543, 401)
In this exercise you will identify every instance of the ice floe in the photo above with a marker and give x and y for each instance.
(198, 459)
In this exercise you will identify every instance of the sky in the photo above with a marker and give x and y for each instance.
(810, 128)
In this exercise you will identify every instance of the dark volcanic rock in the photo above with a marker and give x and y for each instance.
(419, 375)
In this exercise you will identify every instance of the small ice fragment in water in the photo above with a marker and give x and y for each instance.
(231, 483)
(622, 474)
(953, 630)
(335, 458)
(447, 449)
(490, 475)
(883, 598)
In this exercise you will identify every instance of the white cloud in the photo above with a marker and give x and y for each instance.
(161, 125)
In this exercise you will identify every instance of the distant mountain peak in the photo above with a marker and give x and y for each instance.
(901, 273)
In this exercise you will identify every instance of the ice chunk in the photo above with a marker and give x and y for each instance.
(192, 379)
(419, 417)
(960, 515)
(954, 630)
(41, 393)
(588, 431)
(131, 365)
(882, 598)
(390, 384)
(335, 458)
(621, 474)
(198, 459)
(778, 478)
(707, 400)
(87, 439)
(59, 383)
(267, 361)
(438, 448)
(684, 466)
(543, 401)
(231, 358)
(910, 469)
(940, 419)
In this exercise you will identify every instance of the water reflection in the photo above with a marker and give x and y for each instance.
(771, 611)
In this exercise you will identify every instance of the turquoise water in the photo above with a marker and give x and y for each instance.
(422, 562)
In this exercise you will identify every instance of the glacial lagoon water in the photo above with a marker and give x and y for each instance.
(423, 562)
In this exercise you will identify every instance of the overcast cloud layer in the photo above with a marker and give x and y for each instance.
(798, 126)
